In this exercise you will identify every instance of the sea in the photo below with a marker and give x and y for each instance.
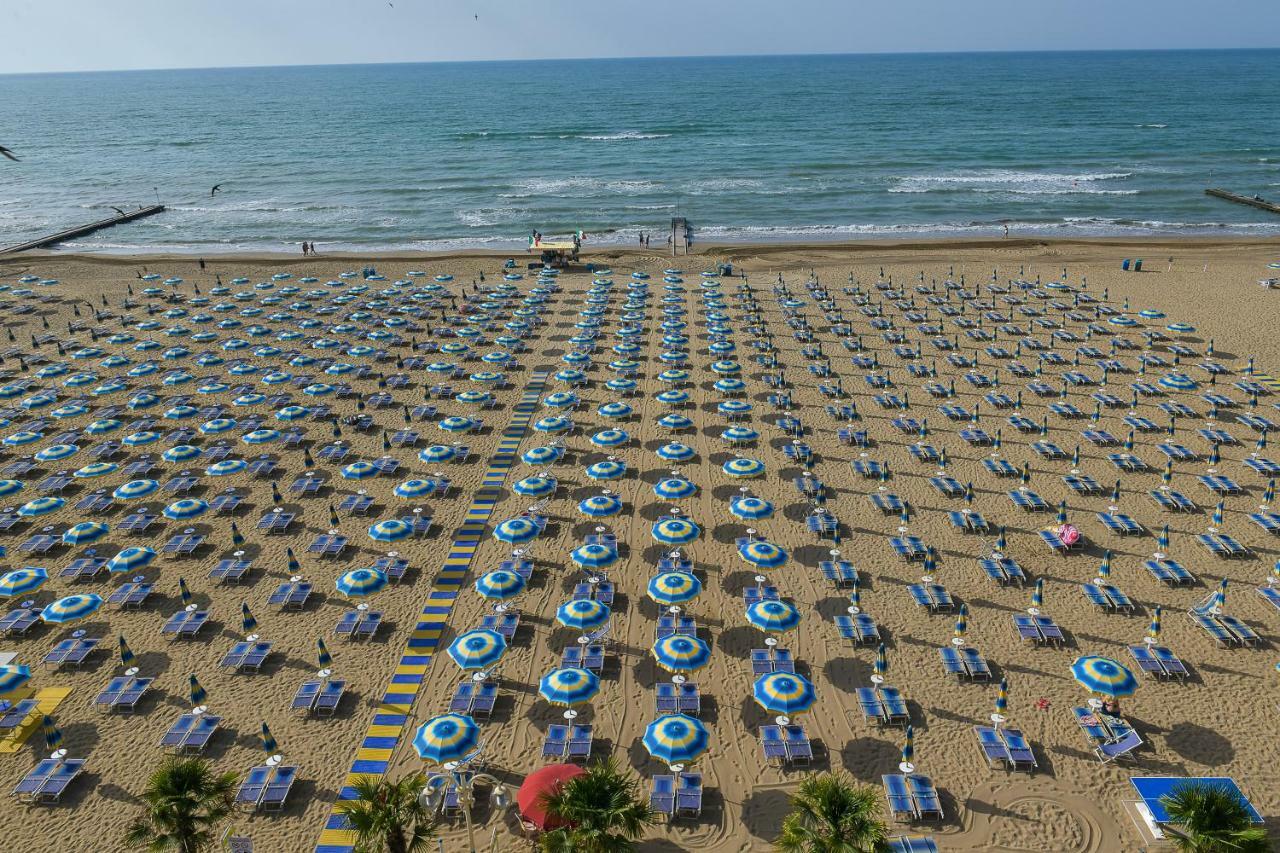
(439, 156)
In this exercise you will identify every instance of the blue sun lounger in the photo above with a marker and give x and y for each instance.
(305, 698)
(662, 796)
(912, 844)
(898, 796)
(277, 790)
(925, 797)
(772, 744)
(252, 787)
(896, 712)
(1173, 665)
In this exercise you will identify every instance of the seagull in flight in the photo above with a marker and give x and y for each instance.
(7, 153)
(118, 210)
(215, 189)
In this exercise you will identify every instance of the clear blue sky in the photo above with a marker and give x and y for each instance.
(74, 35)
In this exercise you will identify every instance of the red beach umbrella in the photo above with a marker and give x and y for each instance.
(544, 781)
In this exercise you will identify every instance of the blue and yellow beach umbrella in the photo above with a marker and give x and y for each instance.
(784, 693)
(676, 739)
(882, 660)
(446, 737)
(268, 740)
(52, 734)
(962, 621)
(762, 554)
(389, 530)
(670, 588)
(322, 653)
(13, 676)
(500, 584)
(131, 559)
(358, 582)
(1002, 696)
(1153, 630)
(909, 745)
(247, 620)
(1037, 594)
(583, 614)
(681, 653)
(20, 581)
(773, 616)
(675, 488)
(1103, 676)
(594, 556)
(196, 691)
(600, 506)
(569, 686)
(675, 531)
(71, 607)
(478, 649)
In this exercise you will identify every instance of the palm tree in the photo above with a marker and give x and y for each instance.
(185, 801)
(832, 814)
(386, 815)
(1209, 819)
(601, 812)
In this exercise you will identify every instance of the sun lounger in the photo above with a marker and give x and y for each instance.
(1049, 630)
(1026, 628)
(330, 697)
(1116, 750)
(109, 694)
(19, 621)
(662, 796)
(992, 747)
(898, 795)
(484, 700)
(870, 704)
(305, 698)
(185, 624)
(1169, 571)
(772, 745)
(580, 741)
(912, 844)
(277, 790)
(896, 712)
(689, 794)
(252, 787)
(347, 624)
(15, 715)
(975, 664)
(201, 733)
(1244, 635)
(799, 749)
(925, 797)
(783, 660)
(556, 742)
(1146, 660)
(368, 625)
(30, 784)
(1269, 594)
(1172, 664)
(1021, 755)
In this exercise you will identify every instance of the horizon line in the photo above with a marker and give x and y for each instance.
(705, 56)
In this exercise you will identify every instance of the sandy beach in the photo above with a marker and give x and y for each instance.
(1217, 722)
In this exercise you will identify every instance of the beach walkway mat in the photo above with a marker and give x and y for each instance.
(47, 701)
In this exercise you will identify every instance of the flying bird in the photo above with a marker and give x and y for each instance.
(118, 210)
(6, 152)
(215, 189)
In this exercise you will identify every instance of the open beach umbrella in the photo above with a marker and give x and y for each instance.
(673, 421)
(20, 581)
(773, 616)
(750, 507)
(85, 532)
(180, 453)
(784, 693)
(610, 438)
(41, 506)
(1103, 676)
(57, 452)
(358, 582)
(763, 554)
(411, 489)
(583, 614)
(13, 676)
(131, 559)
(225, 467)
(675, 488)
(446, 737)
(437, 453)
(478, 649)
(389, 530)
(93, 469)
(185, 508)
(739, 435)
(10, 487)
(608, 469)
(535, 486)
(600, 506)
(676, 451)
(569, 686)
(71, 607)
(516, 530)
(135, 489)
(675, 531)
(676, 739)
(542, 455)
(594, 556)
(681, 653)
(670, 588)
(500, 584)
(743, 467)
(359, 471)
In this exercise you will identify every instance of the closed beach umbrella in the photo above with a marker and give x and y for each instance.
(478, 649)
(184, 592)
(1002, 697)
(389, 530)
(676, 739)
(1219, 512)
(962, 622)
(322, 653)
(681, 653)
(268, 740)
(358, 582)
(583, 614)
(1162, 541)
(670, 588)
(773, 616)
(186, 508)
(500, 584)
(1037, 594)
(763, 554)
(516, 530)
(85, 532)
(447, 737)
(1103, 676)
(784, 693)
(52, 734)
(197, 693)
(600, 506)
(1153, 630)
(569, 686)
(594, 556)
(1220, 595)
(675, 531)
(882, 660)
(131, 559)
(127, 657)
(20, 581)
(71, 607)
(247, 620)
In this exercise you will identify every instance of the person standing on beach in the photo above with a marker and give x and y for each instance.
(304, 248)
(1006, 230)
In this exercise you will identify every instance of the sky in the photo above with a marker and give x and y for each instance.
(83, 35)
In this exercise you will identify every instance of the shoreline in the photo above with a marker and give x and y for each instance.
(701, 249)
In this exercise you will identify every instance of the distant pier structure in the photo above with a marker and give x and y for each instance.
(681, 234)
(1253, 201)
(82, 230)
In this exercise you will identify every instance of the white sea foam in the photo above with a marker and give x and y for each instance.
(1015, 182)
(621, 136)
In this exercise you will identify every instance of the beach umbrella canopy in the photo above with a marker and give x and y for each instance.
(225, 467)
(608, 469)
(13, 676)
(583, 614)
(766, 555)
(569, 686)
(10, 487)
(743, 467)
(594, 556)
(675, 531)
(675, 488)
(389, 530)
(41, 506)
(610, 438)
(85, 532)
(186, 508)
(739, 435)
(546, 781)
(535, 486)
(676, 739)
(359, 471)
(57, 452)
(135, 489)
(750, 507)
(410, 489)
(93, 469)
(542, 455)
(674, 587)
(672, 421)
(478, 649)
(500, 584)
(1103, 676)
(676, 451)
(600, 506)
(516, 530)
(131, 559)
(437, 453)
(773, 616)
(784, 693)
(20, 581)
(71, 607)
(681, 653)
(357, 582)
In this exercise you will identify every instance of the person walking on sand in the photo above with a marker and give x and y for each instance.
(304, 249)
(1006, 230)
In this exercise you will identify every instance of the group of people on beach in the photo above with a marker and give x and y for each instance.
(308, 248)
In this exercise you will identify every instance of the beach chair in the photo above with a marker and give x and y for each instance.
(277, 790)
(920, 595)
(772, 745)
(896, 712)
(14, 716)
(898, 796)
(1146, 660)
(330, 697)
(556, 742)
(761, 662)
(1021, 755)
(1211, 626)
(177, 733)
(925, 798)
(662, 796)
(18, 622)
(252, 787)
(1025, 625)
(799, 748)
(484, 700)
(305, 698)
(1269, 594)
(992, 747)
(52, 788)
(1118, 749)
(128, 698)
(689, 794)
(201, 733)
(1243, 634)
(368, 625)
(111, 693)
(1172, 664)
(1049, 630)
(783, 660)
(31, 783)
(1169, 571)
(952, 664)
(870, 705)
(580, 741)
(689, 700)
(347, 624)
(666, 699)
(1055, 543)
(912, 844)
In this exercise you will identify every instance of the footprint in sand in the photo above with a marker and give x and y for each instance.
(1031, 815)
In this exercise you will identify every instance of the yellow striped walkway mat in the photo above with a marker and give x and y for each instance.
(1265, 380)
(47, 701)
(392, 715)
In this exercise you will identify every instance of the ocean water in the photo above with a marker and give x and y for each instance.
(437, 156)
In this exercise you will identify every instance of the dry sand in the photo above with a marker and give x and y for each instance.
(1218, 723)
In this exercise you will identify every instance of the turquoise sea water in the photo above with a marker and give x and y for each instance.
(435, 156)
